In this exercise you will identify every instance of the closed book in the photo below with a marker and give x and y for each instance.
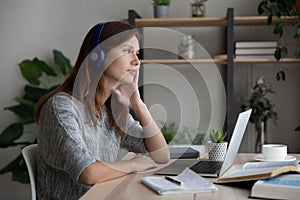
(263, 51)
(183, 152)
(285, 186)
(256, 44)
(255, 56)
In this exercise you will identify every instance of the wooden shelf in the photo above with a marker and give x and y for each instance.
(205, 21)
(180, 22)
(219, 61)
(267, 60)
(259, 20)
(182, 61)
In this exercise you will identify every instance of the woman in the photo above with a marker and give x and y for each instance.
(85, 122)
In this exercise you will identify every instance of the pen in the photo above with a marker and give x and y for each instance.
(174, 181)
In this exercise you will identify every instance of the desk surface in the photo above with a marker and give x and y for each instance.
(129, 187)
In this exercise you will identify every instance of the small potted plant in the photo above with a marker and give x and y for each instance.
(217, 147)
(161, 8)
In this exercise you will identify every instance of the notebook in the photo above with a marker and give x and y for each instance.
(210, 168)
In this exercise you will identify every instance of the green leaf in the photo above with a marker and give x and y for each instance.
(21, 110)
(21, 176)
(277, 53)
(298, 52)
(284, 52)
(18, 169)
(10, 134)
(62, 62)
(32, 70)
(25, 102)
(280, 52)
(280, 76)
(34, 93)
(44, 67)
(278, 28)
(297, 129)
(263, 8)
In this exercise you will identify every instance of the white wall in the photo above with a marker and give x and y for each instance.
(33, 28)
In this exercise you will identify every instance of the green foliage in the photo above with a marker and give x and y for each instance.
(262, 107)
(161, 2)
(217, 136)
(33, 72)
(169, 132)
(279, 9)
(186, 136)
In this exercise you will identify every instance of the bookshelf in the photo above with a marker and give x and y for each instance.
(228, 22)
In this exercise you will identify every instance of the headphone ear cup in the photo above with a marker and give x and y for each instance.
(97, 57)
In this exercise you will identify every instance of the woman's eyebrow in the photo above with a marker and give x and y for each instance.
(130, 46)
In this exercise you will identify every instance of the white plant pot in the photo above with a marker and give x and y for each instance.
(217, 151)
(161, 11)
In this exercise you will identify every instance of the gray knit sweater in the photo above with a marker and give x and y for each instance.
(68, 143)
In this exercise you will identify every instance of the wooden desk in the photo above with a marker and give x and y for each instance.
(129, 187)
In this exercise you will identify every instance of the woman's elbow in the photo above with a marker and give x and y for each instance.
(87, 179)
(160, 158)
(91, 175)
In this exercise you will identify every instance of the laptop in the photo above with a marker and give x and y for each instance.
(209, 168)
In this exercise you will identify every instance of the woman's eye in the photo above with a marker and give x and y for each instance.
(128, 51)
(131, 51)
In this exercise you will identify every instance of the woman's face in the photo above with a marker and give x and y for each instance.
(123, 62)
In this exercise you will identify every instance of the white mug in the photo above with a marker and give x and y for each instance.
(274, 152)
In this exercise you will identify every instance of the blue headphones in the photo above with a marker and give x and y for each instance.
(97, 55)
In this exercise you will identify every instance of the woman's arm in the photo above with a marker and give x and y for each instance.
(128, 95)
(154, 139)
(101, 171)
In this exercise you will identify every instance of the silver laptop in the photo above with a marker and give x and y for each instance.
(210, 168)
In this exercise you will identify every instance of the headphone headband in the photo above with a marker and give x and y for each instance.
(97, 55)
(97, 35)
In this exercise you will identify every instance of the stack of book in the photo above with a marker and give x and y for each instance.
(255, 49)
(272, 180)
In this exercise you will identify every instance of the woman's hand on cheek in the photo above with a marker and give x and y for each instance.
(128, 95)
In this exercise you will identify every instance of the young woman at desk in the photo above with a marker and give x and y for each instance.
(84, 123)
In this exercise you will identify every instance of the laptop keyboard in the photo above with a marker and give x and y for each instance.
(207, 167)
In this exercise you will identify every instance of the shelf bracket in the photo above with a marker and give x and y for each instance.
(229, 71)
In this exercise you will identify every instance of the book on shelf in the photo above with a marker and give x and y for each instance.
(286, 186)
(259, 170)
(271, 56)
(191, 183)
(256, 51)
(255, 44)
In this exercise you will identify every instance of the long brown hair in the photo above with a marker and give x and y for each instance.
(83, 81)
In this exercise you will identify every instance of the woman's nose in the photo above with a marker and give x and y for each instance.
(136, 61)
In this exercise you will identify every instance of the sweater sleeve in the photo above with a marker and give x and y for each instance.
(60, 137)
(134, 137)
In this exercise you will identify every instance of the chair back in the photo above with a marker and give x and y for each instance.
(29, 154)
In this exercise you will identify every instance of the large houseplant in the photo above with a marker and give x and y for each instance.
(280, 10)
(262, 109)
(37, 73)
